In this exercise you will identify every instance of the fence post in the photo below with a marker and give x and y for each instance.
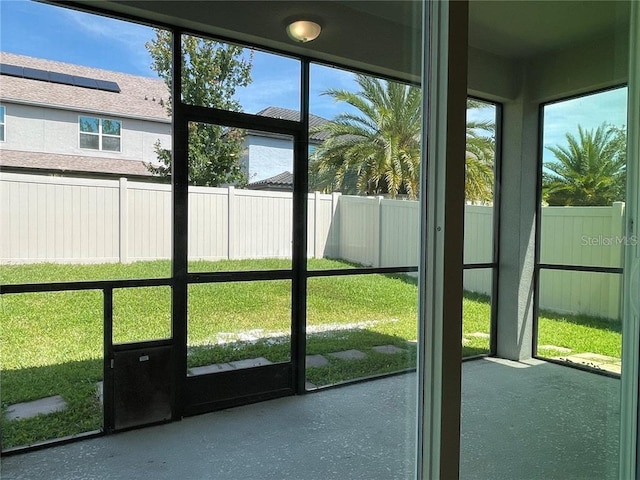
(378, 236)
(316, 209)
(617, 232)
(231, 221)
(124, 221)
(334, 226)
(617, 249)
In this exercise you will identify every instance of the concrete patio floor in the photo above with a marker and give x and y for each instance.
(519, 421)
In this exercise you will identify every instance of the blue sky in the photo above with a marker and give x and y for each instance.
(65, 35)
(589, 112)
(44, 31)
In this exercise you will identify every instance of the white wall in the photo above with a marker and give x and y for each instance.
(40, 129)
(266, 156)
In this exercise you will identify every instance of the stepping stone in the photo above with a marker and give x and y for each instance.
(225, 367)
(316, 361)
(388, 349)
(555, 348)
(479, 335)
(214, 368)
(250, 363)
(37, 407)
(349, 355)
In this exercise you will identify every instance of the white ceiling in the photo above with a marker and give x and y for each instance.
(384, 36)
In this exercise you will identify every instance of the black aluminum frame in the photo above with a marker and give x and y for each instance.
(106, 287)
(539, 266)
(181, 278)
(298, 274)
(493, 265)
(198, 395)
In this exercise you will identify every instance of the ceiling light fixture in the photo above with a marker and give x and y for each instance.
(303, 31)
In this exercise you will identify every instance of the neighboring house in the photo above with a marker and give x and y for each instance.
(268, 157)
(283, 182)
(59, 118)
(63, 119)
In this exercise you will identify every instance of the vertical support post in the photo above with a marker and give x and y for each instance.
(180, 184)
(631, 312)
(231, 222)
(519, 206)
(444, 81)
(107, 372)
(495, 254)
(299, 258)
(124, 222)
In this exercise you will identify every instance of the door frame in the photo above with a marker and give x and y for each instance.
(199, 394)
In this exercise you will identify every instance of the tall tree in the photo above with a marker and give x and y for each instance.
(211, 73)
(376, 151)
(589, 170)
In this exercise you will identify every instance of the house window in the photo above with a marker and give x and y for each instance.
(100, 134)
(2, 123)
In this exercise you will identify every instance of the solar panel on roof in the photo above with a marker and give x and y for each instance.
(64, 78)
(12, 70)
(57, 77)
(108, 86)
(85, 82)
(35, 74)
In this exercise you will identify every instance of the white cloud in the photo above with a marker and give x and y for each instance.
(276, 82)
(267, 91)
(122, 36)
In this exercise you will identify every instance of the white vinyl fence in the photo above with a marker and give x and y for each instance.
(72, 220)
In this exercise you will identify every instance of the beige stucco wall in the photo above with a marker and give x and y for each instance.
(49, 130)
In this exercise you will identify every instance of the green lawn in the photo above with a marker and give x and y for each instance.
(580, 333)
(51, 343)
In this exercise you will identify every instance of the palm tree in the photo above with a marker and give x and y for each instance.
(480, 156)
(376, 151)
(590, 170)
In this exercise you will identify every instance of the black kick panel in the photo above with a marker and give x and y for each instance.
(141, 386)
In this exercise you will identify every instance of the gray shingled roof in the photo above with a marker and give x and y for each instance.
(71, 163)
(294, 115)
(138, 97)
(284, 179)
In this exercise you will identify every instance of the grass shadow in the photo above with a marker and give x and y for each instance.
(583, 320)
